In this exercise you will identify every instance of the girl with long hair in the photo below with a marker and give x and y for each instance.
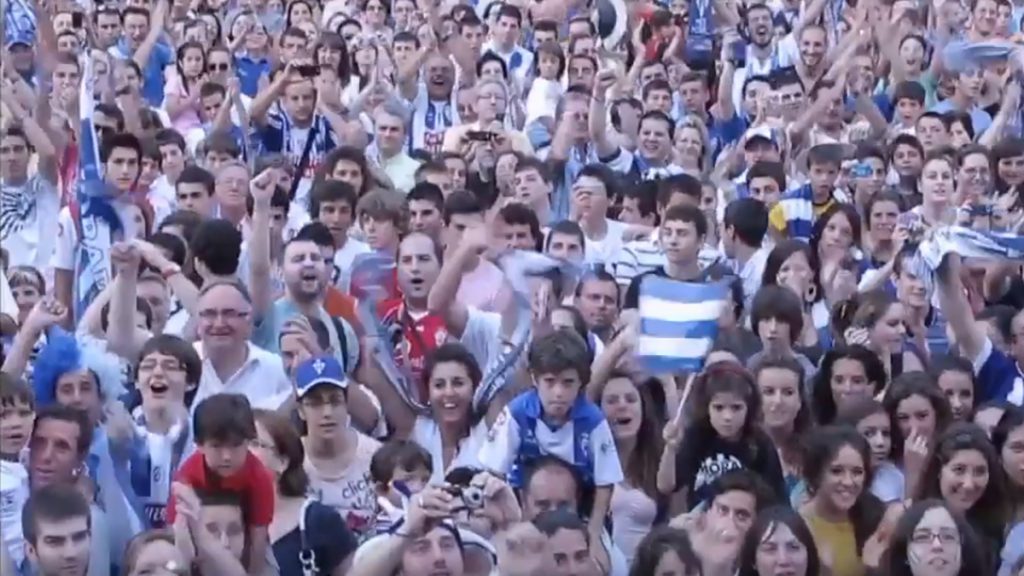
(964, 471)
(877, 320)
(786, 412)
(933, 539)
(841, 513)
(665, 551)
(724, 434)
(794, 265)
(779, 542)
(847, 374)
(920, 413)
(869, 417)
(636, 418)
(182, 92)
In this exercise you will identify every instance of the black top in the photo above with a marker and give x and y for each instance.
(713, 272)
(326, 534)
(704, 457)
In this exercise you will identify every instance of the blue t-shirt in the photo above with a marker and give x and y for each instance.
(999, 376)
(161, 57)
(249, 71)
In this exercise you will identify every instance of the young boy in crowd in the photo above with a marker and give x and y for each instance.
(17, 413)
(794, 215)
(398, 461)
(555, 418)
(224, 426)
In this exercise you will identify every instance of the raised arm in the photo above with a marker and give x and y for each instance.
(47, 313)
(266, 97)
(123, 337)
(156, 30)
(262, 190)
(441, 299)
(34, 133)
(954, 305)
(598, 122)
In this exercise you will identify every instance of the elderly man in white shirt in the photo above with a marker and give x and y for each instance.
(231, 363)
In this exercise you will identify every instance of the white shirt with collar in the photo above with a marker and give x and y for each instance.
(261, 379)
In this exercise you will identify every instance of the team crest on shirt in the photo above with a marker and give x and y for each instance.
(584, 444)
(432, 141)
(440, 337)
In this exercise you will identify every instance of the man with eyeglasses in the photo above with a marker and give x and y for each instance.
(337, 456)
(231, 363)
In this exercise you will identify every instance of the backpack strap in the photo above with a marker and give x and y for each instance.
(307, 557)
(339, 327)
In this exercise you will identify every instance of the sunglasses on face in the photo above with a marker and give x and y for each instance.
(218, 67)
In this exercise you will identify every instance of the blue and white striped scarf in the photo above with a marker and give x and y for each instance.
(970, 244)
(99, 221)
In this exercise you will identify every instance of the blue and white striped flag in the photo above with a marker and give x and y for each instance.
(678, 323)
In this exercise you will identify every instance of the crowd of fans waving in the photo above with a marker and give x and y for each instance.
(363, 287)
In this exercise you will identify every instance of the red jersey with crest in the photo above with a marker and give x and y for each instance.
(412, 335)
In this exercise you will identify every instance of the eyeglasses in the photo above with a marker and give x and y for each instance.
(210, 315)
(169, 366)
(218, 67)
(925, 537)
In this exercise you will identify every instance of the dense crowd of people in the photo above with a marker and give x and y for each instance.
(419, 288)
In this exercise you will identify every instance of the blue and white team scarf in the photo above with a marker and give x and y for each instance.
(518, 266)
(98, 221)
(678, 323)
(970, 244)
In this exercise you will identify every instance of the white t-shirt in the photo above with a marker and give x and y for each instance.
(67, 233)
(633, 513)
(605, 250)
(30, 233)
(427, 434)
(343, 260)
(351, 493)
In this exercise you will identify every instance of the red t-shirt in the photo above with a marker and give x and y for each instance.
(253, 482)
(413, 336)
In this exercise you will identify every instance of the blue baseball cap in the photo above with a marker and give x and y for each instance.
(15, 38)
(319, 370)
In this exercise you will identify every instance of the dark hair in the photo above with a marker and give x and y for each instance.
(53, 503)
(395, 454)
(952, 363)
(427, 192)
(688, 214)
(218, 245)
(987, 514)
(821, 222)
(744, 480)
(656, 544)
(193, 174)
(641, 469)
(895, 561)
(224, 418)
(349, 154)
(568, 228)
(766, 169)
(189, 222)
(803, 422)
(138, 542)
(678, 184)
(549, 522)
(141, 305)
(294, 482)
(779, 303)
(317, 233)
(822, 397)
(749, 218)
(15, 391)
(819, 452)
(915, 384)
(558, 351)
(882, 196)
(720, 378)
(518, 214)
(782, 252)
(456, 353)
(122, 140)
(766, 523)
(331, 191)
(185, 353)
(71, 415)
(461, 202)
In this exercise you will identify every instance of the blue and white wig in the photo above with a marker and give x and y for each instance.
(63, 354)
